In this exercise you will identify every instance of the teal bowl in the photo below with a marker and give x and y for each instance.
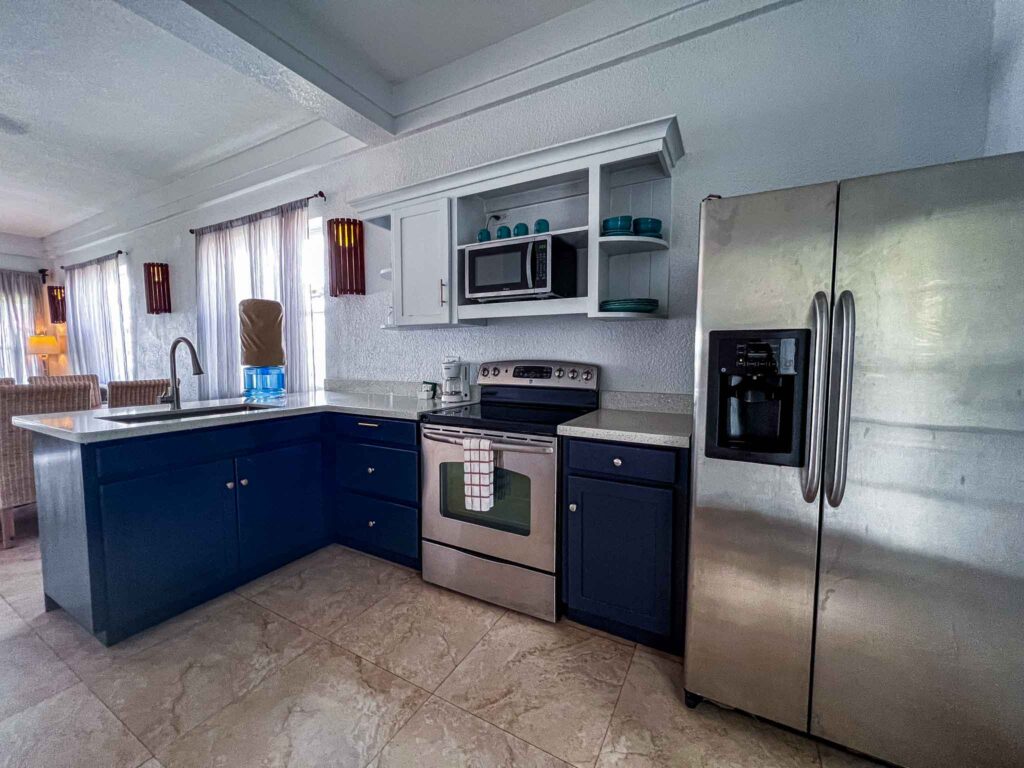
(647, 227)
(617, 224)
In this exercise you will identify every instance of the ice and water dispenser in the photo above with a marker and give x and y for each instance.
(757, 389)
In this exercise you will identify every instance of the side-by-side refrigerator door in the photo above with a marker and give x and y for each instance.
(765, 284)
(919, 655)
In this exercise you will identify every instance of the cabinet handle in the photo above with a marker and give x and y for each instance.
(371, 523)
(244, 481)
(230, 485)
(441, 281)
(370, 470)
(617, 462)
(572, 507)
(367, 424)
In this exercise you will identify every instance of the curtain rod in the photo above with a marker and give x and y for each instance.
(319, 193)
(118, 252)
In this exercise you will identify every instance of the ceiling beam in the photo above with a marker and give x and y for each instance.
(263, 40)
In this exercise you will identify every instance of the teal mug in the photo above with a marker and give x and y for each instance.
(483, 235)
(540, 226)
(520, 230)
(504, 232)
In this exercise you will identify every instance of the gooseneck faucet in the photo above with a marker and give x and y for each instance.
(173, 395)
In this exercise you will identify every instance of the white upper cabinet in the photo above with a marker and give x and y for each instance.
(421, 248)
(574, 186)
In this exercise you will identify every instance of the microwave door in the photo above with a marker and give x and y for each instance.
(500, 271)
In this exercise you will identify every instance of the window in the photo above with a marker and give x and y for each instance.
(19, 297)
(313, 276)
(99, 325)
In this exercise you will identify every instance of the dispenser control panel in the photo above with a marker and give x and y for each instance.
(770, 356)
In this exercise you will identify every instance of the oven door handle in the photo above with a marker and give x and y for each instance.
(506, 447)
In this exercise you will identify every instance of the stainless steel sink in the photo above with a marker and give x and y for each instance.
(185, 413)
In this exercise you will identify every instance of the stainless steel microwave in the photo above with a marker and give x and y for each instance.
(533, 266)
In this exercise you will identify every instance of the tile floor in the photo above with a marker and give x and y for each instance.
(340, 659)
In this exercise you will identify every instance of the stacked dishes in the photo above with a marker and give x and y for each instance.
(629, 305)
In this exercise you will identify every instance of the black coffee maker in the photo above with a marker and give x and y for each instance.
(757, 389)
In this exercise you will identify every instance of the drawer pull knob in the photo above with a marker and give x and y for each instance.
(244, 481)
(230, 485)
(367, 424)
(371, 523)
(617, 462)
(370, 470)
(572, 507)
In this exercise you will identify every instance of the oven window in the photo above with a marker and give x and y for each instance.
(497, 269)
(511, 510)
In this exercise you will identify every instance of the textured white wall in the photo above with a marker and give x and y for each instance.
(1006, 107)
(821, 89)
(817, 90)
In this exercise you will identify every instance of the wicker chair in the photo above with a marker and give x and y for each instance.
(17, 480)
(91, 379)
(140, 392)
(6, 382)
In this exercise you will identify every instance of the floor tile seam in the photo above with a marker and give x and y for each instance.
(77, 681)
(336, 644)
(500, 728)
(618, 698)
(469, 652)
(398, 730)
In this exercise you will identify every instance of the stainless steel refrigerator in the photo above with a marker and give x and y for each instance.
(857, 521)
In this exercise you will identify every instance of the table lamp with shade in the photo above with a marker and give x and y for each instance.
(44, 345)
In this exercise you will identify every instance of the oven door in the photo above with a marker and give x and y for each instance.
(520, 527)
(504, 270)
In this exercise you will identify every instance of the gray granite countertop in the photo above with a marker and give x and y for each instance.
(670, 430)
(95, 426)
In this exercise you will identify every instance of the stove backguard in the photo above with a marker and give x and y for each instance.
(757, 389)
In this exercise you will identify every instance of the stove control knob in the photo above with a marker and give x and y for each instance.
(559, 373)
(574, 374)
(495, 371)
(485, 371)
(588, 375)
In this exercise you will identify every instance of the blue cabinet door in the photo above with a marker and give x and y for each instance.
(170, 542)
(280, 506)
(619, 552)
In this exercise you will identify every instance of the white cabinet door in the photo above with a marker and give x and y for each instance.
(421, 252)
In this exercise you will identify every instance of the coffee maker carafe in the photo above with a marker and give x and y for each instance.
(455, 381)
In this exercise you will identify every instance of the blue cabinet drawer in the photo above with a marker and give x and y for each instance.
(378, 470)
(379, 525)
(624, 461)
(375, 430)
(149, 454)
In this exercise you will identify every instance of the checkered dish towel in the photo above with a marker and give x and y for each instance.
(478, 471)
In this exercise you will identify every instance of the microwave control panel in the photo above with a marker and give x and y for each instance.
(540, 260)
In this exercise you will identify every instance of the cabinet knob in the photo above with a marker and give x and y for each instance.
(244, 481)
(371, 523)
(617, 462)
(230, 485)
(370, 470)
(572, 507)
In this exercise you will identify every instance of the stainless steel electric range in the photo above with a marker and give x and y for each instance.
(502, 550)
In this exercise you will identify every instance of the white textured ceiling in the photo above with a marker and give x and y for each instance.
(405, 38)
(96, 104)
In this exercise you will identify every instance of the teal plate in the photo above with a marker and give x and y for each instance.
(616, 232)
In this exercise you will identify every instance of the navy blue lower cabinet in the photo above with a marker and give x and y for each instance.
(619, 552)
(380, 527)
(169, 541)
(280, 506)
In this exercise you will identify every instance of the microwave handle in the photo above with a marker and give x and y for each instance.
(529, 264)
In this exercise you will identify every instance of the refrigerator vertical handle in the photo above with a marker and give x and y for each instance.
(844, 324)
(811, 478)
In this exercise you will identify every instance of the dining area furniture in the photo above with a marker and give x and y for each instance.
(17, 478)
(95, 394)
(121, 394)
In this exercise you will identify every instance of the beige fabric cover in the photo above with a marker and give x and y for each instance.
(262, 328)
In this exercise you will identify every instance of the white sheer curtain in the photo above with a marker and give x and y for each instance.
(98, 335)
(19, 311)
(255, 257)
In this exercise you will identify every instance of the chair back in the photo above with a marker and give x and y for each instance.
(6, 381)
(140, 392)
(75, 378)
(17, 481)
